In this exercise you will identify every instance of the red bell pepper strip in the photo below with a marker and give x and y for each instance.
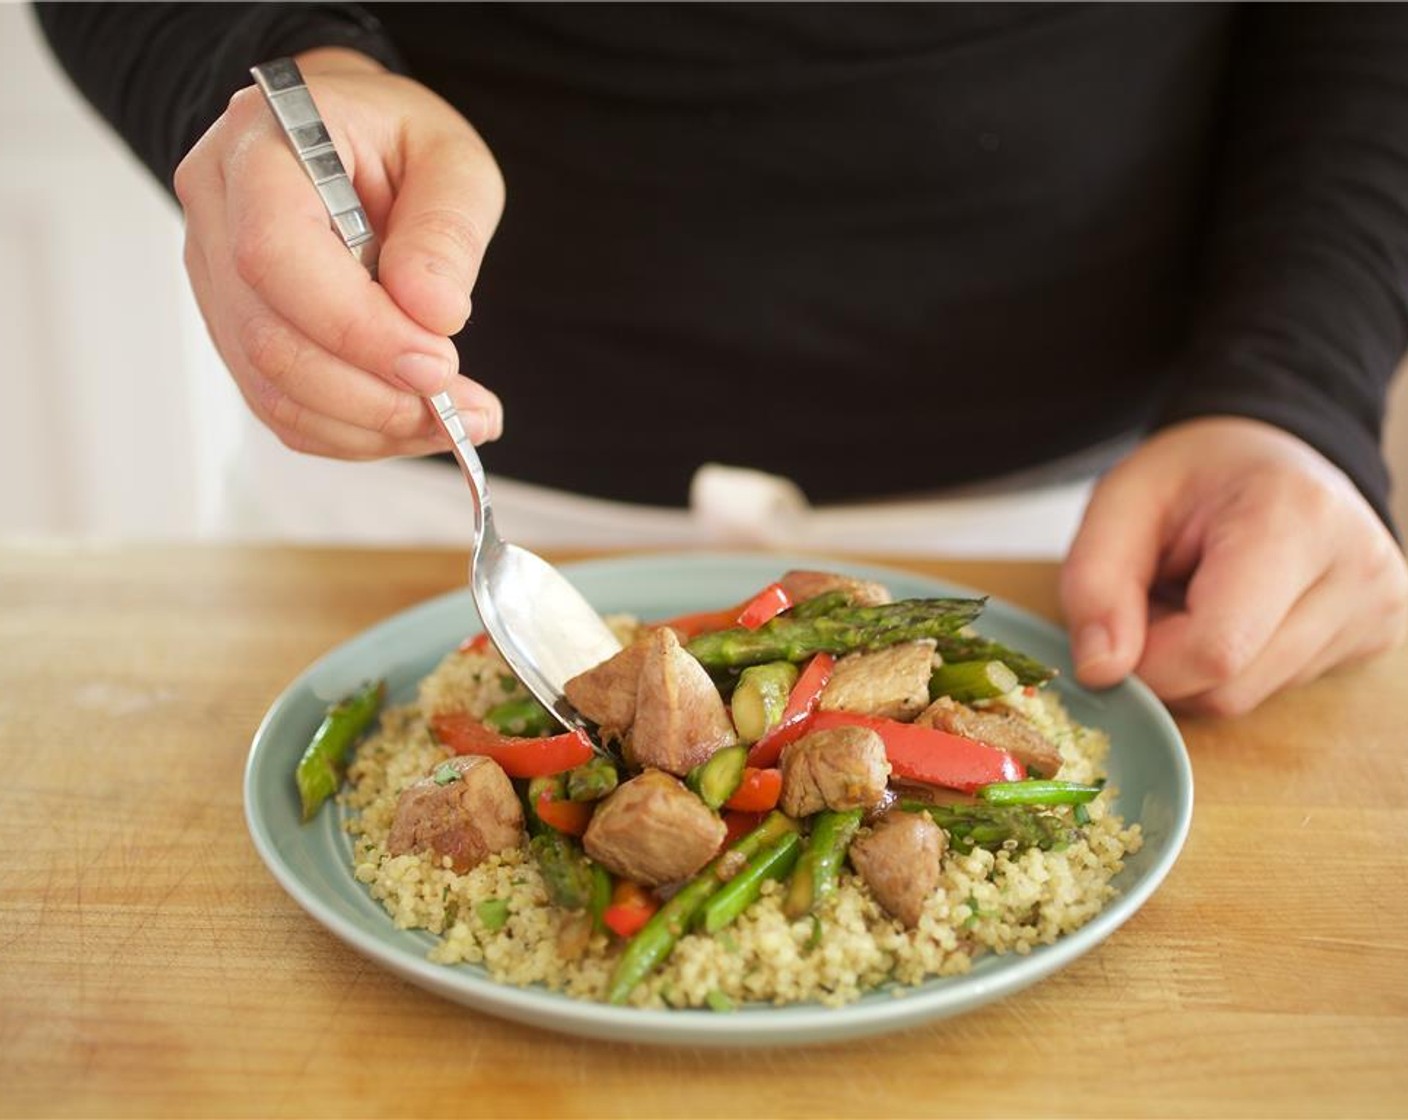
(751, 613)
(475, 643)
(703, 622)
(738, 824)
(767, 604)
(520, 758)
(931, 756)
(571, 817)
(801, 705)
(631, 907)
(758, 792)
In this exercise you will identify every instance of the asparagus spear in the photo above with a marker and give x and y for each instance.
(718, 776)
(592, 780)
(653, 942)
(571, 879)
(761, 697)
(319, 771)
(743, 889)
(840, 631)
(966, 681)
(1039, 792)
(817, 868)
(818, 605)
(993, 826)
(970, 647)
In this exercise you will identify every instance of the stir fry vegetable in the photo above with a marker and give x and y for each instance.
(957, 647)
(815, 875)
(966, 681)
(844, 630)
(519, 757)
(740, 892)
(801, 704)
(717, 778)
(931, 756)
(994, 826)
(760, 698)
(324, 761)
(1040, 792)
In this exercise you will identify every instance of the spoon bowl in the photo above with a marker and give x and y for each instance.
(538, 621)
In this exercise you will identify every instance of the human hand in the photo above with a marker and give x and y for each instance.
(332, 362)
(1285, 570)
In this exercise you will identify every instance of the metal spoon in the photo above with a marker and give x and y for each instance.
(541, 625)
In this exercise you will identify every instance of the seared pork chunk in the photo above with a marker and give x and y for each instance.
(653, 831)
(1002, 729)
(899, 859)
(606, 693)
(801, 585)
(841, 768)
(891, 682)
(680, 719)
(465, 809)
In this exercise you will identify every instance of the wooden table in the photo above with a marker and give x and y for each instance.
(150, 965)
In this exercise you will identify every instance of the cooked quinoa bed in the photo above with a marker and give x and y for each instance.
(1001, 902)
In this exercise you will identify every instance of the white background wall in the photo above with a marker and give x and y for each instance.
(116, 419)
(105, 365)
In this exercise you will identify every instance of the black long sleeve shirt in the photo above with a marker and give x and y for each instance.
(879, 249)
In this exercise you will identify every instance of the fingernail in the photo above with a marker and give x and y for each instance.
(422, 373)
(436, 267)
(1092, 644)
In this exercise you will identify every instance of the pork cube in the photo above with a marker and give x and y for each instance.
(466, 809)
(653, 831)
(892, 682)
(840, 768)
(899, 860)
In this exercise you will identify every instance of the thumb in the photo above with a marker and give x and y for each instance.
(447, 207)
(1107, 574)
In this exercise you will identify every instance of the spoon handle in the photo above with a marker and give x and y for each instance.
(281, 82)
(288, 97)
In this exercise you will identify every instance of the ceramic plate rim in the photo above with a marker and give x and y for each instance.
(993, 978)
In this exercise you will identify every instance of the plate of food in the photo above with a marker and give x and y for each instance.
(816, 800)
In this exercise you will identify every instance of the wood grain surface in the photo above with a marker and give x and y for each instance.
(151, 966)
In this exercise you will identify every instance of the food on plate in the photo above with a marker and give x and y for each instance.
(324, 760)
(805, 796)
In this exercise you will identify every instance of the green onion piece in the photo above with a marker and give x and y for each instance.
(522, 717)
(446, 773)
(493, 912)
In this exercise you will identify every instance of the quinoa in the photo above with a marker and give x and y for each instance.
(986, 902)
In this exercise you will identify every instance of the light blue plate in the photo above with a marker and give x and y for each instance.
(1148, 765)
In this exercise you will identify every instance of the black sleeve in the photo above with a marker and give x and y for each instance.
(1303, 315)
(161, 74)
